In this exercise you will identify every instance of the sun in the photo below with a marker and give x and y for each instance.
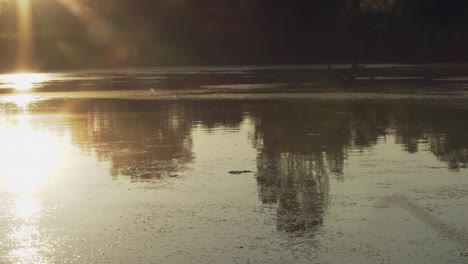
(23, 81)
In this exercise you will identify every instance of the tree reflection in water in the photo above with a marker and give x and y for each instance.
(297, 150)
(300, 143)
(142, 140)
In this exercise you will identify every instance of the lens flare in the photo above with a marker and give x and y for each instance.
(100, 31)
(25, 34)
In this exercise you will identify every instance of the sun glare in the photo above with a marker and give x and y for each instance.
(23, 81)
(25, 34)
(29, 158)
(22, 100)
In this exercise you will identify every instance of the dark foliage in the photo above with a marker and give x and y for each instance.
(116, 33)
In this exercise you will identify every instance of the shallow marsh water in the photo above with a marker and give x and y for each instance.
(142, 174)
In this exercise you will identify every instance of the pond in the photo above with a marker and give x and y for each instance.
(236, 166)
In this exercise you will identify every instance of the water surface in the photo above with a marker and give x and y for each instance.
(327, 176)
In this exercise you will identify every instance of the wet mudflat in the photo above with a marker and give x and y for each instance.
(238, 172)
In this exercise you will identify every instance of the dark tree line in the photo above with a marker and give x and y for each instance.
(112, 33)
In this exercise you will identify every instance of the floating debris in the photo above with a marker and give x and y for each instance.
(240, 172)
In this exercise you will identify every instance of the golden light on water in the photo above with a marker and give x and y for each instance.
(30, 243)
(23, 81)
(26, 207)
(22, 100)
(29, 158)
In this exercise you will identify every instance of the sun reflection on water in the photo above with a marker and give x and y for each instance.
(22, 100)
(29, 246)
(23, 81)
(27, 207)
(30, 162)
(29, 243)
(29, 158)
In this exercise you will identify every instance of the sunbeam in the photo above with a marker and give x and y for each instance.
(25, 35)
(99, 30)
